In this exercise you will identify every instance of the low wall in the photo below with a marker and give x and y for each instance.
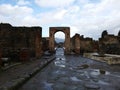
(108, 58)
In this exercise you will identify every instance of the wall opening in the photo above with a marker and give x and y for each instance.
(59, 39)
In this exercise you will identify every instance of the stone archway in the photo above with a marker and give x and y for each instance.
(66, 31)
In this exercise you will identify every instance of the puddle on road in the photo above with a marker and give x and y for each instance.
(99, 72)
(102, 82)
(60, 62)
(48, 86)
(75, 79)
(60, 59)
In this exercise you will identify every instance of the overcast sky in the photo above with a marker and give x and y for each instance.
(86, 17)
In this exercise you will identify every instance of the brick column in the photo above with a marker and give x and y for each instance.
(38, 44)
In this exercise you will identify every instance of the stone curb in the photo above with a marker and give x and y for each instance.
(8, 67)
(15, 84)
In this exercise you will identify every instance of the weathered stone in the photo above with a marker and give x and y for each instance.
(75, 41)
(102, 71)
(92, 86)
(24, 55)
(109, 43)
(13, 39)
(84, 66)
(65, 30)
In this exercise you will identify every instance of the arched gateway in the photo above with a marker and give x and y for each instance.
(66, 31)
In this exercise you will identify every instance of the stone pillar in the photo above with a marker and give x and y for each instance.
(38, 43)
(51, 39)
(77, 44)
(67, 41)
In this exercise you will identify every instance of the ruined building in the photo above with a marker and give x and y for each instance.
(66, 31)
(14, 39)
(109, 43)
(75, 44)
(80, 45)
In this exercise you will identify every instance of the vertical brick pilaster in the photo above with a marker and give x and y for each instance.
(38, 44)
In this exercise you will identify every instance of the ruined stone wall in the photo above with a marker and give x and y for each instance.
(45, 43)
(79, 44)
(75, 43)
(17, 38)
(110, 44)
(5, 32)
(87, 44)
(109, 39)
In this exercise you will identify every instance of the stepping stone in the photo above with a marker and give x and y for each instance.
(84, 66)
(92, 86)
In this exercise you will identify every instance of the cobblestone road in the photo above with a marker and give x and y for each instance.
(71, 72)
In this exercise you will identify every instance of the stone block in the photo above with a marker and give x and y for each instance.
(24, 55)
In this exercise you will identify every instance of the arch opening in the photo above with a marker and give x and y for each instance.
(66, 31)
(59, 39)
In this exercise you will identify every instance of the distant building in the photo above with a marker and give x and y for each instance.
(79, 44)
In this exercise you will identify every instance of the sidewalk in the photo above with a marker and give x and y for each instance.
(12, 78)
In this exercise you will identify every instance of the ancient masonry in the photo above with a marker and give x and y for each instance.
(109, 43)
(66, 31)
(75, 43)
(16, 39)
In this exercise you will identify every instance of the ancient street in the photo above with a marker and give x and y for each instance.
(59, 45)
(73, 72)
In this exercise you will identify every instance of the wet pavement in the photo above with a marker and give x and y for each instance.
(73, 72)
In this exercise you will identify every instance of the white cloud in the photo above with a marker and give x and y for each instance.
(85, 17)
(23, 2)
(93, 18)
(15, 14)
(9, 10)
(74, 30)
(54, 3)
(60, 14)
(59, 35)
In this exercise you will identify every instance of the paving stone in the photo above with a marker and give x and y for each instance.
(92, 86)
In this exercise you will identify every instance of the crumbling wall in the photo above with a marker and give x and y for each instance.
(75, 43)
(14, 39)
(110, 44)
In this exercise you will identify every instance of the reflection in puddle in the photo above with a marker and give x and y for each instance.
(74, 79)
(48, 86)
(60, 64)
(102, 82)
(60, 59)
(98, 72)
